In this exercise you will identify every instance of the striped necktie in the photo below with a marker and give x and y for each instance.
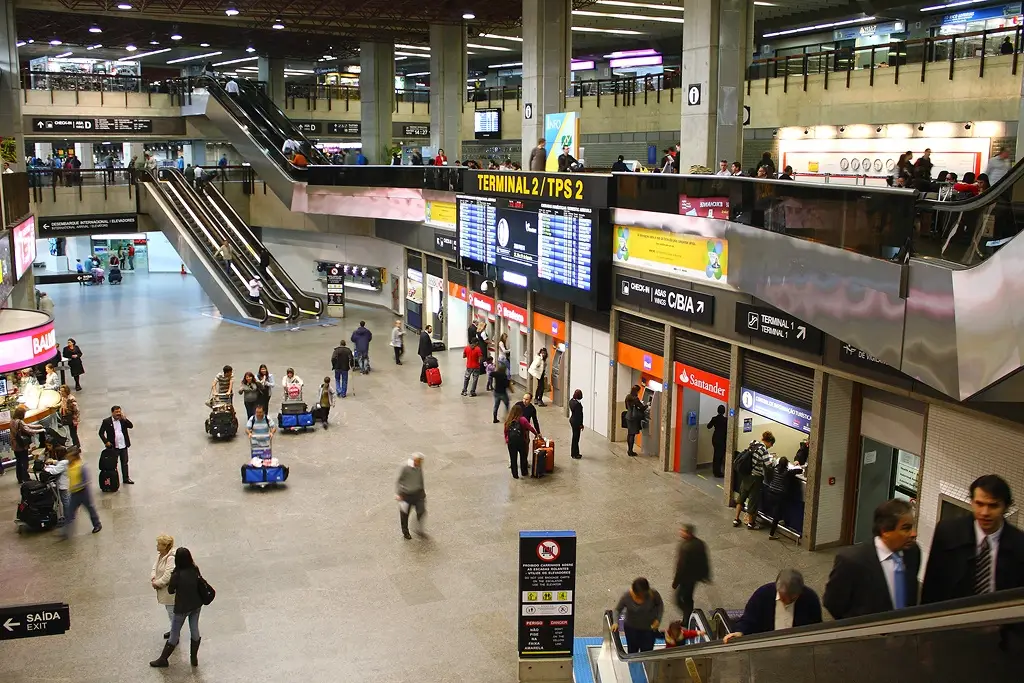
(983, 569)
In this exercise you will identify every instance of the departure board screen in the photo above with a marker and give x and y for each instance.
(532, 244)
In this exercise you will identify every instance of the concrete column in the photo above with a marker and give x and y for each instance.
(613, 388)
(130, 150)
(10, 84)
(547, 48)
(716, 50)
(733, 435)
(377, 95)
(814, 456)
(272, 73)
(567, 387)
(84, 152)
(668, 390)
(447, 88)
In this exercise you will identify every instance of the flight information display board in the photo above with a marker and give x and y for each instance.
(477, 226)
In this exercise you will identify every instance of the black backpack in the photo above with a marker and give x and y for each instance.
(743, 463)
(515, 430)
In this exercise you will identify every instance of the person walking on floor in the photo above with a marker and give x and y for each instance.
(361, 339)
(160, 577)
(325, 401)
(250, 392)
(473, 355)
(397, 343)
(692, 567)
(576, 422)
(749, 466)
(643, 609)
(79, 494)
(516, 429)
(265, 380)
(411, 493)
(636, 414)
(719, 423)
(342, 361)
(73, 354)
(69, 413)
(22, 434)
(500, 389)
(187, 585)
(114, 433)
(538, 371)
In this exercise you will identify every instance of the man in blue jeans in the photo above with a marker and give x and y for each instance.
(341, 361)
(361, 338)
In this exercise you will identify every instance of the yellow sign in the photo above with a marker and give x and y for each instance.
(531, 185)
(812, 166)
(699, 258)
(441, 213)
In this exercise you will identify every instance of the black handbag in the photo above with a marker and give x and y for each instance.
(206, 591)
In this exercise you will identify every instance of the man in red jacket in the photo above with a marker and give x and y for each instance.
(473, 355)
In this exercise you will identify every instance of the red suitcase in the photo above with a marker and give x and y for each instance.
(433, 377)
(546, 449)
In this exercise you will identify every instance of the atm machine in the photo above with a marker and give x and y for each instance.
(557, 354)
(651, 395)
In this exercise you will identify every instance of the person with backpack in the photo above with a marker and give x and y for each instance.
(516, 429)
(260, 429)
(361, 338)
(190, 592)
(636, 414)
(749, 466)
(22, 434)
(500, 389)
(342, 361)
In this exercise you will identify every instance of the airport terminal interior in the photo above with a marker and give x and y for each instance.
(756, 261)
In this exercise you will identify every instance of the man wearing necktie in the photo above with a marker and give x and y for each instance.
(978, 554)
(879, 576)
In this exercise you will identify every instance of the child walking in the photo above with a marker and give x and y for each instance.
(325, 400)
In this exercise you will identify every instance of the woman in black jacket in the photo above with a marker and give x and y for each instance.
(636, 413)
(73, 354)
(184, 586)
(780, 488)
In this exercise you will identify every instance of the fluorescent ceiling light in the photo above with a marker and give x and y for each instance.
(231, 12)
(236, 61)
(204, 45)
(646, 5)
(144, 54)
(56, 42)
(277, 25)
(63, 54)
(765, 4)
(630, 17)
(418, 73)
(250, 49)
(581, 65)
(130, 48)
(175, 36)
(300, 71)
(619, 54)
(124, 5)
(95, 29)
(502, 66)
(420, 55)
(495, 36)
(489, 47)
(818, 27)
(412, 47)
(93, 47)
(20, 43)
(469, 15)
(398, 59)
(616, 31)
(950, 4)
(649, 60)
(189, 59)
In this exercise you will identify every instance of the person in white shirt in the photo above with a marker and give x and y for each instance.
(114, 433)
(7, 168)
(232, 88)
(774, 606)
(998, 166)
(59, 468)
(291, 384)
(290, 147)
(254, 286)
(723, 168)
(52, 378)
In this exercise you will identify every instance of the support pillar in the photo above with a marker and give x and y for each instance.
(377, 95)
(716, 51)
(272, 73)
(10, 85)
(84, 152)
(447, 88)
(668, 392)
(132, 150)
(547, 47)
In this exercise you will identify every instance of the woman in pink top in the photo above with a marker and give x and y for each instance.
(516, 429)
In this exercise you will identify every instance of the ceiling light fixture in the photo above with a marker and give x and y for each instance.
(175, 36)
(419, 55)
(95, 29)
(818, 27)
(231, 12)
(646, 5)
(411, 47)
(277, 25)
(615, 31)
(961, 3)
(20, 43)
(504, 66)
(204, 45)
(399, 59)
(236, 61)
(56, 42)
(94, 47)
(418, 73)
(154, 42)
(496, 48)
(124, 5)
(468, 15)
(69, 53)
(758, 3)
(620, 54)
(629, 17)
(189, 59)
(495, 36)
(132, 48)
(250, 49)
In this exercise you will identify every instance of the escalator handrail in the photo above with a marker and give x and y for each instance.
(269, 110)
(300, 299)
(720, 616)
(982, 200)
(990, 609)
(699, 622)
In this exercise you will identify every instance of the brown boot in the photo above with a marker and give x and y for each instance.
(161, 662)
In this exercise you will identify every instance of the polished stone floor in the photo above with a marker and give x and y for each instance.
(314, 581)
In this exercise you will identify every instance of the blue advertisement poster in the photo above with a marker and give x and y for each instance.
(561, 130)
(774, 409)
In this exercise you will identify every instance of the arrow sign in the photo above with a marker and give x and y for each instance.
(10, 624)
(40, 124)
(801, 332)
(30, 621)
(700, 306)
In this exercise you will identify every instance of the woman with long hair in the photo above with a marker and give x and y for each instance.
(266, 384)
(160, 576)
(73, 354)
(250, 392)
(69, 414)
(516, 429)
(188, 601)
(636, 413)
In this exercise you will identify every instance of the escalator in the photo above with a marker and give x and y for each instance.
(973, 639)
(196, 235)
(276, 281)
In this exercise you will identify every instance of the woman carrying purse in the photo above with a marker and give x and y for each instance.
(69, 414)
(191, 592)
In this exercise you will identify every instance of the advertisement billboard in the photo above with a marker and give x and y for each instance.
(698, 258)
(6, 267)
(561, 130)
(24, 243)
(704, 207)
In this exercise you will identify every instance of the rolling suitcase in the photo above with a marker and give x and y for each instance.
(294, 407)
(544, 450)
(433, 377)
(109, 481)
(108, 460)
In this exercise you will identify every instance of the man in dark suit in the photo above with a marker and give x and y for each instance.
(719, 423)
(576, 422)
(787, 603)
(425, 348)
(114, 432)
(879, 576)
(692, 566)
(979, 554)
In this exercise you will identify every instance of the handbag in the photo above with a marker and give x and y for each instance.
(206, 591)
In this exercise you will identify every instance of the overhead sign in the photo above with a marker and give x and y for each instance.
(851, 355)
(100, 125)
(564, 188)
(30, 621)
(693, 94)
(997, 12)
(704, 207)
(511, 312)
(706, 383)
(884, 29)
(308, 127)
(446, 242)
(124, 125)
(94, 224)
(528, 110)
(561, 130)
(481, 301)
(443, 214)
(776, 326)
(638, 359)
(416, 130)
(702, 259)
(344, 128)
(547, 593)
(672, 301)
(774, 409)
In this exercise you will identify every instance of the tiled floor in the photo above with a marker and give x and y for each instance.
(314, 581)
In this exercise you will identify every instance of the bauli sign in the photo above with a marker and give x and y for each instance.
(27, 347)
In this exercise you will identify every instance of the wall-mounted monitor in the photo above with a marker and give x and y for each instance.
(487, 124)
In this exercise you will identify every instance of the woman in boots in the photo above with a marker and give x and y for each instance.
(184, 586)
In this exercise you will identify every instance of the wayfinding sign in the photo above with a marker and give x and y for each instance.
(30, 621)
(547, 593)
(673, 301)
(776, 326)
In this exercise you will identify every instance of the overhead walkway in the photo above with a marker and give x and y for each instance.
(197, 223)
(974, 639)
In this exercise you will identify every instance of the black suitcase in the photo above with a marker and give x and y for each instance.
(109, 481)
(108, 459)
(222, 424)
(294, 408)
(37, 518)
(430, 362)
(437, 346)
(540, 464)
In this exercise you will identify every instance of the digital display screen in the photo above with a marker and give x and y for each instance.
(477, 226)
(487, 123)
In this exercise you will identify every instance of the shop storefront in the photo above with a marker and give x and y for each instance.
(701, 376)
(549, 333)
(513, 326)
(414, 290)
(457, 318)
(434, 297)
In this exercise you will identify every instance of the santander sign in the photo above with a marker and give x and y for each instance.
(704, 382)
